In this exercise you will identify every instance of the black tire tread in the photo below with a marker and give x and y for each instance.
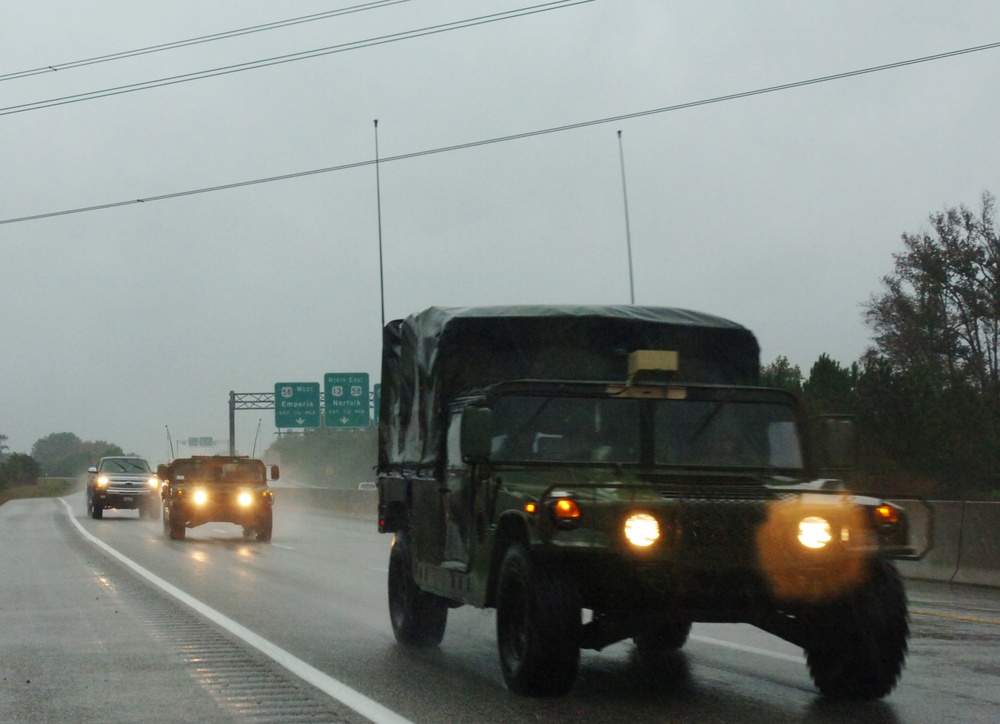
(418, 618)
(550, 659)
(858, 644)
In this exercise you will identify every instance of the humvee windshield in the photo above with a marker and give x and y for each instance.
(683, 433)
(214, 472)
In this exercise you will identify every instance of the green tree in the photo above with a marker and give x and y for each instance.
(829, 388)
(52, 448)
(19, 469)
(782, 374)
(929, 389)
(940, 310)
(63, 454)
(328, 457)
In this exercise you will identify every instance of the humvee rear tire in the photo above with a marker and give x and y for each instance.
(669, 636)
(538, 626)
(857, 645)
(418, 618)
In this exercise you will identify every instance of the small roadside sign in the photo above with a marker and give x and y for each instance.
(296, 404)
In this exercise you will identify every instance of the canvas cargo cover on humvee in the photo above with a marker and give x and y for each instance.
(431, 358)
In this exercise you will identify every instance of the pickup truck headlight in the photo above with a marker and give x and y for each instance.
(153, 483)
(102, 482)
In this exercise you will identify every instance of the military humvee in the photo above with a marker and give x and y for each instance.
(221, 488)
(623, 461)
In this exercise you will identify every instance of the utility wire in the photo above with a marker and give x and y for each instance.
(201, 39)
(515, 136)
(292, 57)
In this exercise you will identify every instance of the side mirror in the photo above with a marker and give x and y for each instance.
(476, 434)
(274, 472)
(835, 443)
(91, 469)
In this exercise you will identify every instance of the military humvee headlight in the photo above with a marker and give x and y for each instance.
(102, 482)
(245, 499)
(200, 496)
(642, 530)
(814, 532)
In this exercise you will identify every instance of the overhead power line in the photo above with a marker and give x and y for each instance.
(201, 39)
(515, 136)
(292, 57)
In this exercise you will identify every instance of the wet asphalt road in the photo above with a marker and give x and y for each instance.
(85, 637)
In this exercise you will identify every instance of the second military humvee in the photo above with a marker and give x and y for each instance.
(545, 461)
(217, 488)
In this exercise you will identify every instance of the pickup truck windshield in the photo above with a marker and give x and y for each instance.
(685, 433)
(124, 465)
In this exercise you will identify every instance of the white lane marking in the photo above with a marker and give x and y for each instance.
(282, 545)
(357, 701)
(748, 649)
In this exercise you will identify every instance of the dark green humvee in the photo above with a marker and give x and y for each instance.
(217, 488)
(544, 461)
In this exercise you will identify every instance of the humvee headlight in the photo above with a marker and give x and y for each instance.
(814, 532)
(245, 499)
(200, 497)
(642, 530)
(102, 482)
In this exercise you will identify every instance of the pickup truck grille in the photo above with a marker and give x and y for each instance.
(128, 487)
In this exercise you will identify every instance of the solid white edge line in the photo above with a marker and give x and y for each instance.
(747, 649)
(360, 703)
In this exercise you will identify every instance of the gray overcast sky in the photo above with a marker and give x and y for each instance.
(779, 211)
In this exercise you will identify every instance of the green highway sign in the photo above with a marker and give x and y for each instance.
(346, 396)
(296, 404)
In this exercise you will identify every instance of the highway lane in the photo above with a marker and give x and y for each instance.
(318, 592)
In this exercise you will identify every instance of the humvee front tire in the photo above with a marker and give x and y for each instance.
(418, 618)
(262, 532)
(171, 529)
(857, 645)
(538, 626)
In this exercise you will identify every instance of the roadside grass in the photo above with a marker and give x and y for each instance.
(46, 488)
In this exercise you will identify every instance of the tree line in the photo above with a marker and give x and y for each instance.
(59, 455)
(926, 394)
